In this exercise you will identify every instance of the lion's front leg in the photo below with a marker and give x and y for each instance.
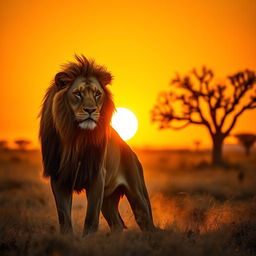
(94, 197)
(63, 199)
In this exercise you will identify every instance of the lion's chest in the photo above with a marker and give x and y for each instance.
(88, 166)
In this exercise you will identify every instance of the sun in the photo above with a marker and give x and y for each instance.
(125, 123)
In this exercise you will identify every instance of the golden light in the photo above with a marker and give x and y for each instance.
(125, 123)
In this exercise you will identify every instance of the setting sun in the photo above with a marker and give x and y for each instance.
(125, 123)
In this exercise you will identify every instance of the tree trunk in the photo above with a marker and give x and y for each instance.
(217, 150)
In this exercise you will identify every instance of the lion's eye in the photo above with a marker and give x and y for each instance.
(78, 95)
(98, 94)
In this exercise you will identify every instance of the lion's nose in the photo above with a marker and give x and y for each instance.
(89, 110)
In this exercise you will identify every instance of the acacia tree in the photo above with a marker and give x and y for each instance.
(22, 144)
(246, 140)
(3, 145)
(195, 99)
(197, 144)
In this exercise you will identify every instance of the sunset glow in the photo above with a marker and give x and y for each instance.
(128, 127)
(125, 123)
(142, 43)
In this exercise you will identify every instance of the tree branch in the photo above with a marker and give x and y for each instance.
(203, 91)
(190, 97)
(250, 105)
(242, 83)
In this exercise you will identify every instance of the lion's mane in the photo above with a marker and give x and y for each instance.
(65, 146)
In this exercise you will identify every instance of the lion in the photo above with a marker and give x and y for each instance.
(81, 151)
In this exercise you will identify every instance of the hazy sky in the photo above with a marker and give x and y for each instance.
(143, 44)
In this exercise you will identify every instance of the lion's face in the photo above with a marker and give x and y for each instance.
(85, 98)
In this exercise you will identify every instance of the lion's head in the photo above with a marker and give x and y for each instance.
(81, 103)
(77, 111)
(85, 98)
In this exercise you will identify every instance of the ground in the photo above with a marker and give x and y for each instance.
(201, 210)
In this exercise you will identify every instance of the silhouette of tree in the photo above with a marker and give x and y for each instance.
(197, 144)
(193, 99)
(22, 144)
(246, 140)
(3, 145)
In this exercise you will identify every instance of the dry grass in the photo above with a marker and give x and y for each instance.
(203, 211)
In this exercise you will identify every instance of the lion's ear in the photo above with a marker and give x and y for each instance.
(106, 79)
(61, 80)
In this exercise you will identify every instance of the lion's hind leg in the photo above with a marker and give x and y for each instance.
(110, 211)
(137, 195)
(142, 210)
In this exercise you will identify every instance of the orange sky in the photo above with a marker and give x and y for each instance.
(143, 43)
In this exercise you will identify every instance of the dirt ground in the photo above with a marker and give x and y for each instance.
(201, 210)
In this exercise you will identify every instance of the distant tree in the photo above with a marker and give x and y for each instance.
(3, 145)
(197, 144)
(246, 140)
(193, 99)
(22, 144)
